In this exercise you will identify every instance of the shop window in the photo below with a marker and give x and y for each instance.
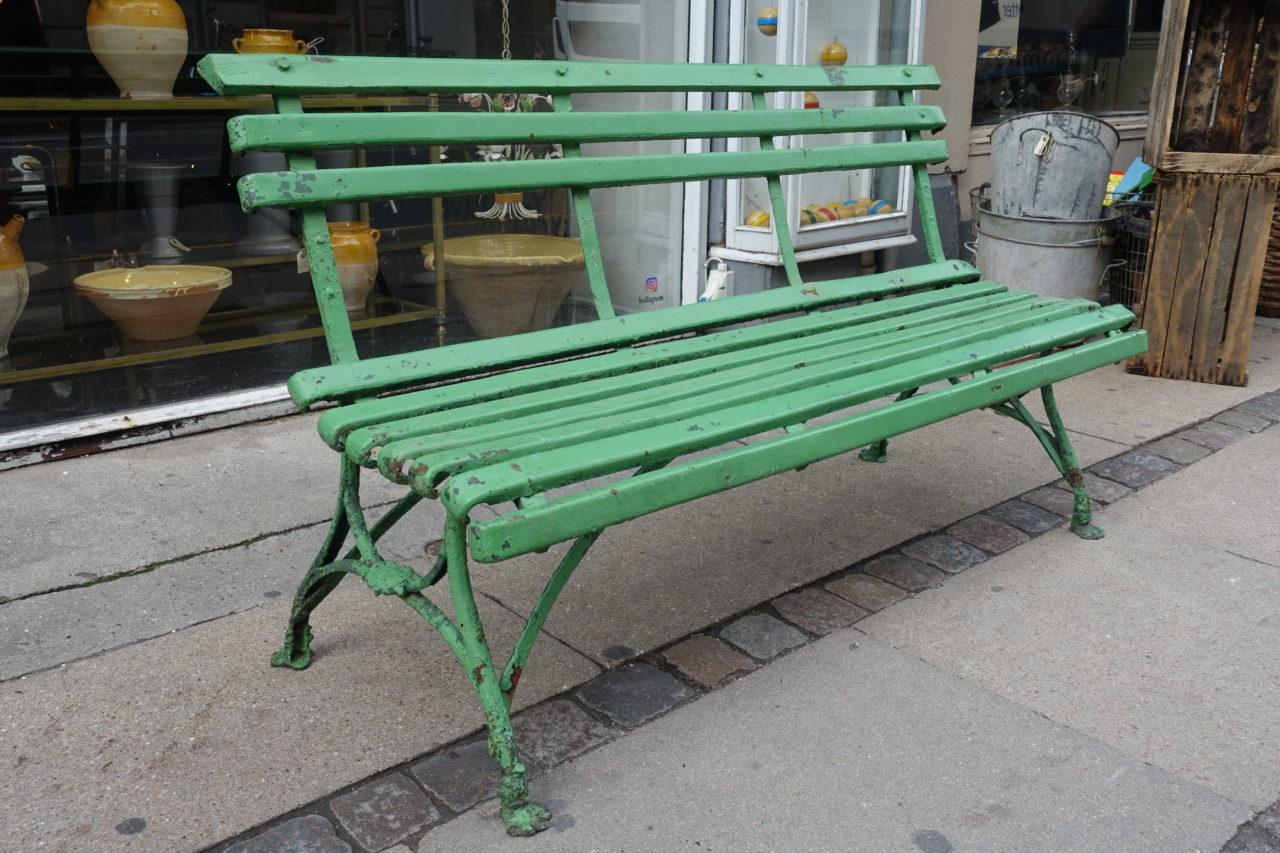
(830, 213)
(1093, 55)
(149, 179)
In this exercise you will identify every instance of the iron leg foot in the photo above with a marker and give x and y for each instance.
(878, 452)
(296, 651)
(521, 815)
(1087, 531)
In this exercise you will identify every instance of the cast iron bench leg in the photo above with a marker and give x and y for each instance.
(1057, 444)
(879, 452)
(521, 815)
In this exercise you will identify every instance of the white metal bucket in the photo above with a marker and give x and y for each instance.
(1068, 271)
(1051, 165)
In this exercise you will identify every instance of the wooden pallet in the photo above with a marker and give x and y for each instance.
(1269, 292)
(1208, 248)
(1216, 105)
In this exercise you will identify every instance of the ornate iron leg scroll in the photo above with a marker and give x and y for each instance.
(327, 571)
(1057, 444)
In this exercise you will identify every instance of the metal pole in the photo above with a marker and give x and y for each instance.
(437, 240)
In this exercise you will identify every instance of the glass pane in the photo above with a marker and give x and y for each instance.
(641, 228)
(866, 32)
(149, 179)
(1065, 54)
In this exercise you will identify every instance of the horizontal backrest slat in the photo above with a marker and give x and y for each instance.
(292, 132)
(330, 186)
(375, 375)
(255, 74)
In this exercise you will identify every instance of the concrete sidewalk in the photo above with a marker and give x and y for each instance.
(1068, 695)
(145, 588)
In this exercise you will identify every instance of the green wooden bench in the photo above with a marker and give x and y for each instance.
(504, 422)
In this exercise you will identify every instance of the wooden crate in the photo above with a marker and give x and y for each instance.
(1208, 249)
(1215, 104)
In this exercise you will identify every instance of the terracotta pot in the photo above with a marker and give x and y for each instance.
(15, 284)
(268, 41)
(355, 251)
(509, 283)
(141, 43)
(155, 303)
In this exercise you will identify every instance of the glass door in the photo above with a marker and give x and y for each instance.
(642, 229)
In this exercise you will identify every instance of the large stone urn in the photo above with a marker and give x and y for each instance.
(14, 283)
(509, 283)
(141, 43)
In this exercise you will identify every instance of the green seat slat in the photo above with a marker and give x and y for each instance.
(330, 186)
(523, 476)
(781, 369)
(365, 378)
(338, 426)
(294, 132)
(533, 528)
(255, 74)
(666, 363)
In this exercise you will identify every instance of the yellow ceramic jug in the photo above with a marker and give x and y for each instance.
(355, 252)
(141, 43)
(14, 284)
(268, 41)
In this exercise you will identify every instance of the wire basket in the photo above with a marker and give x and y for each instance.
(1126, 278)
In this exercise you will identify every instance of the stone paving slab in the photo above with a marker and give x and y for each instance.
(911, 575)
(1233, 503)
(198, 717)
(58, 627)
(633, 694)
(1032, 520)
(817, 754)
(817, 611)
(706, 661)
(867, 592)
(762, 636)
(989, 534)
(381, 812)
(306, 834)
(944, 552)
(154, 502)
(1157, 640)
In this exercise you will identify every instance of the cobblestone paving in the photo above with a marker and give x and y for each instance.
(396, 807)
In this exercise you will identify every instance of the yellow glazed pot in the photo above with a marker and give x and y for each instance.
(509, 283)
(155, 303)
(141, 43)
(355, 251)
(268, 41)
(14, 283)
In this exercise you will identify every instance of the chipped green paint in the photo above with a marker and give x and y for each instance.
(509, 420)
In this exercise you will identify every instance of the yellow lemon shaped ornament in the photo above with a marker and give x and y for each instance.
(757, 219)
(834, 53)
(767, 20)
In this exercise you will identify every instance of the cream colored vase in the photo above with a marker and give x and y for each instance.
(509, 283)
(14, 283)
(355, 252)
(141, 43)
(155, 303)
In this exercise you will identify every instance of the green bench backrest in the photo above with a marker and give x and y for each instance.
(298, 134)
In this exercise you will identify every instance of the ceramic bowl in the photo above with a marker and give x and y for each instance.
(155, 303)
